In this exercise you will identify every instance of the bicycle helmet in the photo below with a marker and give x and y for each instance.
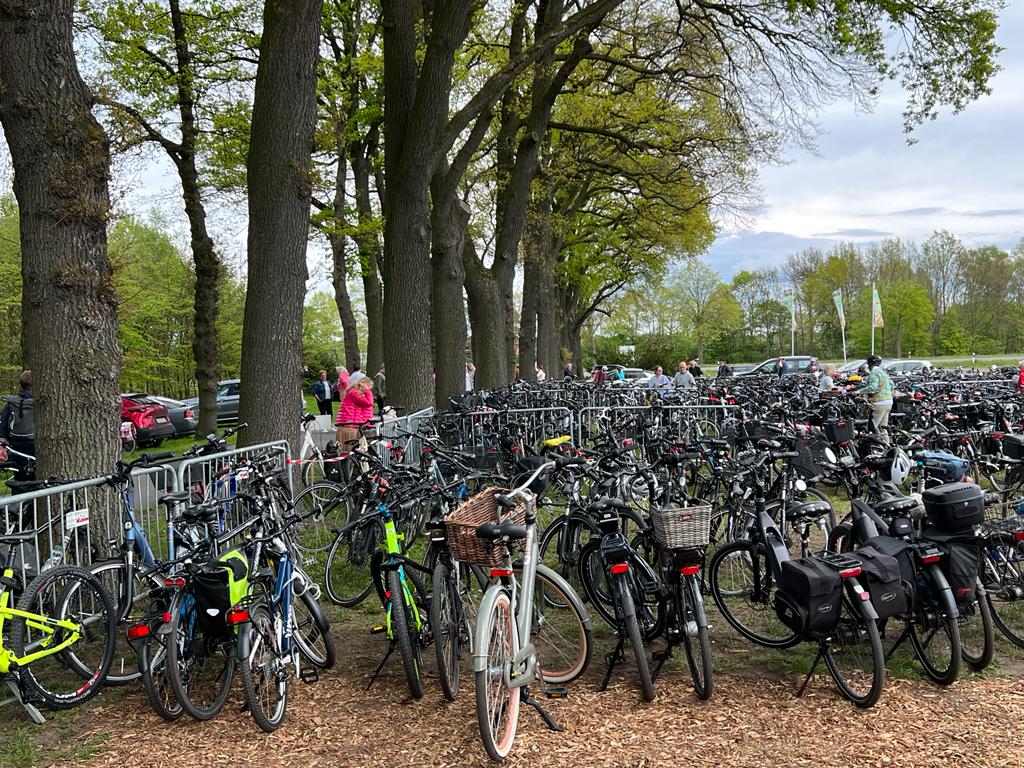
(874, 360)
(899, 471)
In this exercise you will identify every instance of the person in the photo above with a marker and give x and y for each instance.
(343, 382)
(470, 377)
(540, 372)
(659, 381)
(601, 374)
(724, 369)
(356, 410)
(684, 378)
(879, 389)
(17, 422)
(619, 374)
(827, 383)
(695, 369)
(322, 392)
(568, 373)
(357, 374)
(380, 383)
(1020, 376)
(780, 367)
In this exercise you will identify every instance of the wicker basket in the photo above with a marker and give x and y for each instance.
(461, 526)
(682, 527)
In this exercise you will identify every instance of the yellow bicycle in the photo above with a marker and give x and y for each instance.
(57, 642)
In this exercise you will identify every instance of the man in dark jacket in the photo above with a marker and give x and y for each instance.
(724, 369)
(322, 392)
(17, 424)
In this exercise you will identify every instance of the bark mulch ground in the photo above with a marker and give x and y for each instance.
(749, 722)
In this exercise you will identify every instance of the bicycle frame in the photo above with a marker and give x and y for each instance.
(36, 621)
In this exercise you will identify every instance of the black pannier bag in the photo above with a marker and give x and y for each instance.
(809, 596)
(839, 432)
(960, 563)
(332, 469)
(884, 580)
(903, 554)
(955, 506)
(1013, 446)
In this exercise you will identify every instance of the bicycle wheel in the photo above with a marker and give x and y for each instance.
(124, 668)
(626, 608)
(694, 626)
(560, 547)
(977, 634)
(743, 589)
(200, 662)
(264, 673)
(560, 630)
(347, 576)
(854, 656)
(497, 705)
(934, 633)
(1003, 576)
(323, 509)
(404, 632)
(153, 662)
(65, 594)
(313, 472)
(447, 627)
(311, 631)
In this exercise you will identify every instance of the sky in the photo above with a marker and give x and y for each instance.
(864, 183)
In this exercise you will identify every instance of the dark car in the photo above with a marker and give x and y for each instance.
(152, 422)
(227, 402)
(183, 417)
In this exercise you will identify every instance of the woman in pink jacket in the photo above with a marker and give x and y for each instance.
(356, 410)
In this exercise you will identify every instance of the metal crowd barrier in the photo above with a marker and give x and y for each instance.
(65, 517)
(683, 418)
(471, 430)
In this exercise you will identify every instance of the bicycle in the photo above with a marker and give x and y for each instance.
(61, 635)
(505, 658)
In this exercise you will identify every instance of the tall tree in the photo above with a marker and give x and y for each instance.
(69, 312)
(279, 184)
(168, 74)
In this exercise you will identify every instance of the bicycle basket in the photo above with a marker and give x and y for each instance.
(682, 527)
(461, 526)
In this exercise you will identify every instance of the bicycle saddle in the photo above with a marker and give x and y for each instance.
(896, 506)
(173, 499)
(507, 529)
(809, 509)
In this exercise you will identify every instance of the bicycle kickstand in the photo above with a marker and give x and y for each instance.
(613, 658)
(549, 721)
(814, 666)
(20, 697)
(376, 672)
(904, 635)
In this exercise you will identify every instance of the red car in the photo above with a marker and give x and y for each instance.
(150, 419)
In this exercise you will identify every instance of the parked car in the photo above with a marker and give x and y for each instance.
(739, 368)
(183, 417)
(792, 363)
(150, 418)
(629, 374)
(227, 402)
(903, 367)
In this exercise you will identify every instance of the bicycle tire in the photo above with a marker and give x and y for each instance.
(560, 630)
(323, 506)
(745, 554)
(264, 681)
(497, 705)
(124, 668)
(347, 577)
(403, 634)
(445, 624)
(96, 606)
(312, 631)
(153, 671)
(1004, 583)
(977, 632)
(551, 544)
(698, 649)
(189, 650)
(931, 621)
(627, 610)
(852, 630)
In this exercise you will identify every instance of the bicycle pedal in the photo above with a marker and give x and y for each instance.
(309, 675)
(380, 629)
(556, 692)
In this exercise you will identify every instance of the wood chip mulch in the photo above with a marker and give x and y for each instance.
(748, 722)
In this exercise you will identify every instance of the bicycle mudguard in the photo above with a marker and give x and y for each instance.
(481, 637)
(562, 584)
(939, 580)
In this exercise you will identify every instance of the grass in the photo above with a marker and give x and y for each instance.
(26, 744)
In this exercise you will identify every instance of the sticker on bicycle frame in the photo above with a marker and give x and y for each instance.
(76, 518)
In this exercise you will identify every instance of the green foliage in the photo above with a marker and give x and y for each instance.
(322, 337)
(10, 289)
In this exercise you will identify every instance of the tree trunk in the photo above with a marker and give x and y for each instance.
(490, 333)
(61, 163)
(207, 264)
(449, 219)
(528, 317)
(278, 179)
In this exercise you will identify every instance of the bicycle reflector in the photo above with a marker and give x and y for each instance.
(174, 581)
(137, 631)
(1018, 536)
(849, 573)
(931, 558)
(619, 568)
(237, 616)
(689, 570)
(501, 572)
